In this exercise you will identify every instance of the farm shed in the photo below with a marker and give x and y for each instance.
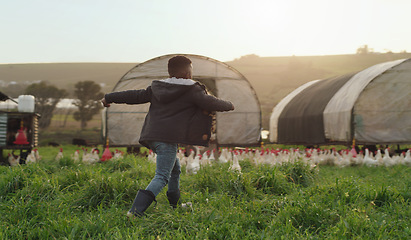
(373, 106)
(122, 123)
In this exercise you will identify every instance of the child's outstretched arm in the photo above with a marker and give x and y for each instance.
(128, 97)
(211, 103)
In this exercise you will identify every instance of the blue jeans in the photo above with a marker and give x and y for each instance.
(167, 169)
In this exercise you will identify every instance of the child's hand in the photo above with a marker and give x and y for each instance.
(105, 104)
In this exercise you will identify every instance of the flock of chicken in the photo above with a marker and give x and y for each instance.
(14, 159)
(193, 161)
(87, 157)
(312, 157)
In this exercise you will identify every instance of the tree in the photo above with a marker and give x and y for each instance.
(15, 89)
(363, 50)
(47, 97)
(88, 101)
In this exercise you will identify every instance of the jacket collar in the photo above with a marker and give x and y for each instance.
(178, 81)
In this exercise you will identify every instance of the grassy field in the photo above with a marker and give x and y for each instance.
(68, 200)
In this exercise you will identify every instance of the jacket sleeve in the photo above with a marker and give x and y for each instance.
(209, 102)
(130, 96)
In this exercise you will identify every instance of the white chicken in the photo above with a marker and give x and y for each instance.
(205, 156)
(14, 160)
(368, 160)
(194, 165)
(152, 156)
(118, 154)
(204, 162)
(235, 166)
(211, 157)
(183, 160)
(85, 156)
(36, 152)
(378, 157)
(314, 157)
(407, 158)
(180, 154)
(92, 157)
(387, 160)
(329, 157)
(189, 159)
(76, 156)
(59, 155)
(31, 158)
(199, 149)
(223, 158)
(258, 158)
(344, 160)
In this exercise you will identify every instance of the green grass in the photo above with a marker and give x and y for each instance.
(68, 200)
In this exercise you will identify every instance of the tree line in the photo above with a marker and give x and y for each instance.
(87, 100)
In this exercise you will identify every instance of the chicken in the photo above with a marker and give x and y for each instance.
(368, 160)
(31, 158)
(387, 160)
(199, 149)
(152, 156)
(205, 156)
(36, 152)
(343, 160)
(14, 160)
(118, 154)
(211, 157)
(223, 158)
(378, 157)
(194, 165)
(92, 157)
(76, 156)
(407, 158)
(59, 155)
(258, 158)
(180, 153)
(85, 156)
(189, 159)
(314, 157)
(235, 166)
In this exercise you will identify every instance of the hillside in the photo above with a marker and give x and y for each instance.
(65, 75)
(272, 77)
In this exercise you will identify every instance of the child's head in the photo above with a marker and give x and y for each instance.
(180, 67)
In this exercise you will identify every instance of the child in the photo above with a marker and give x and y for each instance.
(179, 113)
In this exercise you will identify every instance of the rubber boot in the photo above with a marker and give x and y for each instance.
(142, 201)
(173, 198)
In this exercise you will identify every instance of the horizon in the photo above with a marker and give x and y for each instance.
(235, 59)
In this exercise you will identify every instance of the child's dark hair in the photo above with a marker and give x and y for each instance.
(177, 65)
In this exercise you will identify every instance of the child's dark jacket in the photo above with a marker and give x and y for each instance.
(179, 111)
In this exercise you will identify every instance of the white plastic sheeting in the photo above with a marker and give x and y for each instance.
(372, 107)
(280, 107)
(126, 121)
(339, 109)
(202, 66)
(382, 113)
(239, 127)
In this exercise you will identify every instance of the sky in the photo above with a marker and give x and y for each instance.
(36, 31)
